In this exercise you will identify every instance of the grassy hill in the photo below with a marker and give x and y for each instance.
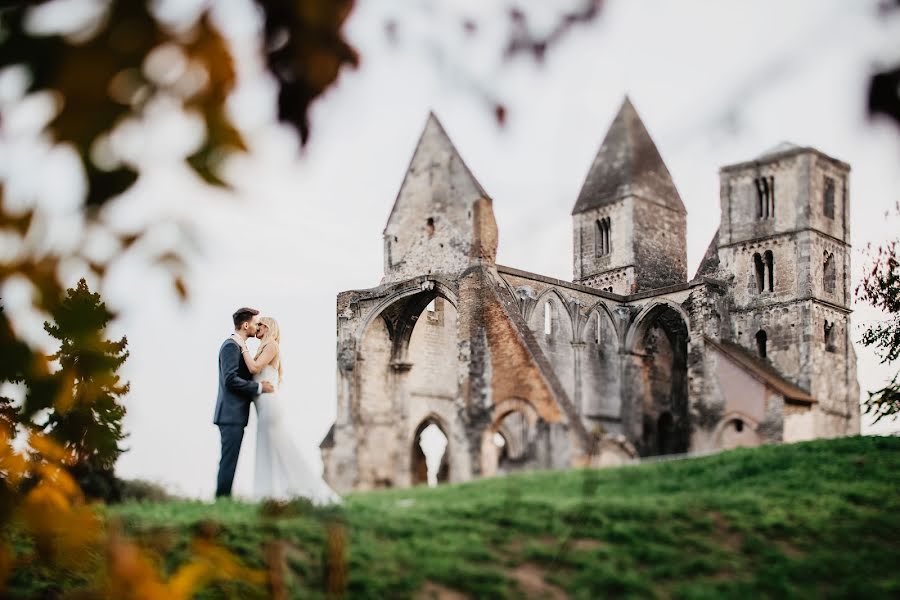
(818, 519)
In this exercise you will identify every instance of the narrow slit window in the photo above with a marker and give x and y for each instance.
(607, 231)
(828, 198)
(548, 318)
(771, 214)
(770, 270)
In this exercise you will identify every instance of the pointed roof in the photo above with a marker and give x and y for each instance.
(710, 263)
(627, 163)
(450, 179)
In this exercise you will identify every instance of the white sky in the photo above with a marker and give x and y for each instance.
(715, 83)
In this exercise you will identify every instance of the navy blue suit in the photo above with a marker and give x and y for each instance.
(236, 390)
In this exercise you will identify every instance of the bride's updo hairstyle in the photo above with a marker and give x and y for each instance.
(273, 334)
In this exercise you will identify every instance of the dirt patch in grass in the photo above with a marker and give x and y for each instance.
(729, 539)
(585, 544)
(436, 591)
(789, 549)
(516, 546)
(530, 579)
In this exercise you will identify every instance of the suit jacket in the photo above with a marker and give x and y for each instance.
(236, 387)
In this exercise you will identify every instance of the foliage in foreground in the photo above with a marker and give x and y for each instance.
(818, 519)
(880, 287)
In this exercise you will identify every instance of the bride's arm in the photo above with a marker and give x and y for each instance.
(257, 364)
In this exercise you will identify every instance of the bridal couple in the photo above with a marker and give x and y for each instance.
(281, 473)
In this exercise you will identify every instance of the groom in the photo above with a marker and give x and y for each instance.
(236, 390)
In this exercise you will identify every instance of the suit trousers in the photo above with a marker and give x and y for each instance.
(232, 436)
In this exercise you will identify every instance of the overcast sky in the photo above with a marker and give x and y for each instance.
(715, 83)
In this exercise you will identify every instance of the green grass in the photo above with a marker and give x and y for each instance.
(819, 519)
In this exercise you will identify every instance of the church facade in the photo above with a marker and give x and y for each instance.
(630, 359)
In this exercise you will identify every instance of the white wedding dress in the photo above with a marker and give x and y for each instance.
(281, 472)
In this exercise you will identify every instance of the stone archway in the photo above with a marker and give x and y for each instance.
(419, 467)
(406, 370)
(656, 411)
(737, 430)
(515, 420)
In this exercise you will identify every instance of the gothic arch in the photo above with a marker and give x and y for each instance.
(504, 407)
(512, 293)
(656, 380)
(490, 454)
(565, 305)
(599, 372)
(401, 309)
(418, 466)
(646, 318)
(559, 296)
(599, 307)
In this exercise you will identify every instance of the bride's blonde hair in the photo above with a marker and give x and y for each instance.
(273, 334)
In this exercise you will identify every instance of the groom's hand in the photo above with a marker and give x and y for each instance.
(267, 387)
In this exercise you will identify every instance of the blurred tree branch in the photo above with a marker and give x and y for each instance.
(880, 287)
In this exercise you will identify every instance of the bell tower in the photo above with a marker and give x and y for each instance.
(784, 241)
(629, 220)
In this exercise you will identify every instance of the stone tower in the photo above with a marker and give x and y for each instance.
(784, 239)
(433, 225)
(629, 221)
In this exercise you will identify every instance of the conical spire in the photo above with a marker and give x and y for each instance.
(627, 163)
(437, 161)
(442, 218)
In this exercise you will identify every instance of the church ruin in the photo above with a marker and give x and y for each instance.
(630, 359)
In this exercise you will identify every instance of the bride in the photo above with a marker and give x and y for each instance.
(281, 472)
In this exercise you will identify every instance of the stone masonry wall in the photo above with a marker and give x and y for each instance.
(660, 246)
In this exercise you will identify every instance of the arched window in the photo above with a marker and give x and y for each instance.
(829, 337)
(548, 318)
(760, 272)
(828, 275)
(770, 268)
(765, 197)
(602, 244)
(761, 340)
